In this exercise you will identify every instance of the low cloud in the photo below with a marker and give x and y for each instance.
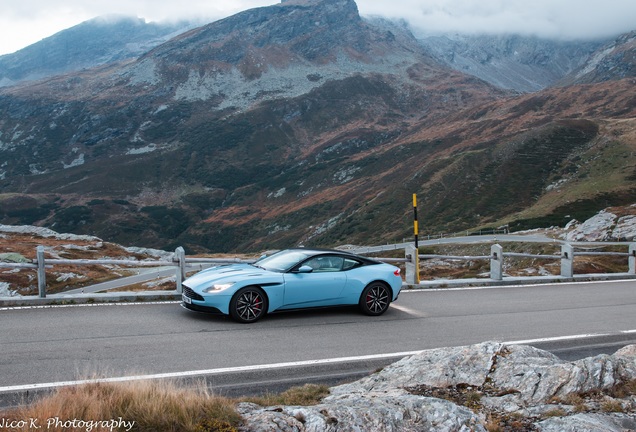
(560, 19)
(27, 21)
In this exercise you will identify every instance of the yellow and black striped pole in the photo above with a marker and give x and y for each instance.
(416, 258)
(415, 227)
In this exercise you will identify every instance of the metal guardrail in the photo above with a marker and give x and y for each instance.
(180, 262)
(411, 261)
(567, 255)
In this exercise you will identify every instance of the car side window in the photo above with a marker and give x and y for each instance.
(325, 264)
(349, 264)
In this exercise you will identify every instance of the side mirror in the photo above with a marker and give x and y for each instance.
(305, 269)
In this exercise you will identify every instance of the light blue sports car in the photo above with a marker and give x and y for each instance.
(293, 279)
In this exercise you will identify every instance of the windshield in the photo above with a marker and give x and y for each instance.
(281, 261)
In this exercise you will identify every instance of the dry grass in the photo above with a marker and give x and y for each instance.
(151, 405)
(624, 389)
(612, 406)
(556, 412)
(309, 394)
(577, 402)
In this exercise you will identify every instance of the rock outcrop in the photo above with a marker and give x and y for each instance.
(522, 63)
(604, 226)
(615, 60)
(473, 388)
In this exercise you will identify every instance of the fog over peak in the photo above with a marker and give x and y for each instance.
(553, 19)
(27, 21)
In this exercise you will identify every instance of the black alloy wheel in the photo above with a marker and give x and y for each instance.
(248, 305)
(375, 299)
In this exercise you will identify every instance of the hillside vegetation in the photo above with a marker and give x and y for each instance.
(263, 130)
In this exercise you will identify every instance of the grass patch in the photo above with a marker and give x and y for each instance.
(556, 412)
(496, 422)
(309, 394)
(612, 406)
(152, 406)
(624, 389)
(576, 401)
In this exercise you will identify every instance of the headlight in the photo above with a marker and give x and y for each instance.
(218, 287)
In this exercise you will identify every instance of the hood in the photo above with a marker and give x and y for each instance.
(228, 273)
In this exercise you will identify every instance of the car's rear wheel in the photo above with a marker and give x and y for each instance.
(375, 299)
(248, 305)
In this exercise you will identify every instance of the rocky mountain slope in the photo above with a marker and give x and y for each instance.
(302, 123)
(523, 63)
(92, 43)
(613, 61)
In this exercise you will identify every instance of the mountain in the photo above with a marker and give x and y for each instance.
(92, 43)
(522, 63)
(302, 123)
(613, 61)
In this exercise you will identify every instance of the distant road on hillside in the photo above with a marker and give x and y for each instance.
(145, 275)
(471, 239)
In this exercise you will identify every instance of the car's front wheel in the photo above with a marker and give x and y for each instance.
(248, 305)
(375, 299)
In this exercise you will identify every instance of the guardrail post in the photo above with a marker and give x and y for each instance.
(39, 255)
(179, 256)
(412, 265)
(496, 262)
(567, 260)
(632, 258)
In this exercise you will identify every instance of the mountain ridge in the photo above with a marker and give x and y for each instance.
(95, 42)
(192, 145)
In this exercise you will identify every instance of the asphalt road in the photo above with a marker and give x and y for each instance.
(54, 344)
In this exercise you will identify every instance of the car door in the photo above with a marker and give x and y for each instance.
(320, 287)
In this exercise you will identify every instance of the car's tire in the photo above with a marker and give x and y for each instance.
(375, 299)
(248, 305)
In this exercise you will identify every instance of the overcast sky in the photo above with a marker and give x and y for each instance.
(23, 22)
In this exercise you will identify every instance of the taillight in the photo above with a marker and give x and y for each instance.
(396, 272)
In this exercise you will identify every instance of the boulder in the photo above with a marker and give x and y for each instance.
(13, 257)
(465, 388)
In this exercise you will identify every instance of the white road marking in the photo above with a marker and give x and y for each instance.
(218, 371)
(409, 311)
(185, 374)
(17, 308)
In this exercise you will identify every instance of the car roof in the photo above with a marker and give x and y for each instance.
(321, 251)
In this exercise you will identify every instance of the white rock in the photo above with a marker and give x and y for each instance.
(597, 228)
(589, 423)
(519, 379)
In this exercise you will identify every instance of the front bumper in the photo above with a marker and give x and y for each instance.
(204, 309)
(216, 304)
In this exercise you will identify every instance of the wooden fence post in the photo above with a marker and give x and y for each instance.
(39, 254)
